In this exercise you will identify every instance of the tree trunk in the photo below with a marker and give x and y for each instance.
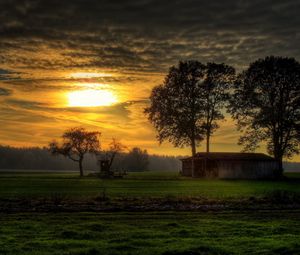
(278, 155)
(111, 160)
(80, 167)
(279, 173)
(207, 140)
(193, 144)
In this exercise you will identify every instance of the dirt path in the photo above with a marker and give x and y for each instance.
(142, 204)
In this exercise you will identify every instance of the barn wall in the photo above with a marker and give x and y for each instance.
(198, 168)
(246, 169)
(211, 169)
(186, 168)
(230, 169)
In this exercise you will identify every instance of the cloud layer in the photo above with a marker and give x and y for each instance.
(42, 42)
(146, 36)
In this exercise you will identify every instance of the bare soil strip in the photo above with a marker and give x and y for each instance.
(144, 204)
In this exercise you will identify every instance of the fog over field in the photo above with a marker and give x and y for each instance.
(40, 159)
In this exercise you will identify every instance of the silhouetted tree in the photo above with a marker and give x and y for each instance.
(115, 148)
(266, 105)
(76, 143)
(218, 80)
(176, 109)
(137, 160)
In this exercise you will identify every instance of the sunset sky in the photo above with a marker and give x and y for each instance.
(94, 63)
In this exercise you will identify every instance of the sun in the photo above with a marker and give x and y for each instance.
(91, 98)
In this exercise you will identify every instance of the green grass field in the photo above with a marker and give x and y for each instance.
(147, 184)
(239, 231)
(167, 233)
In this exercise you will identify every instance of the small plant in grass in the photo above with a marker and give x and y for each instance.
(103, 195)
(283, 197)
(171, 198)
(57, 198)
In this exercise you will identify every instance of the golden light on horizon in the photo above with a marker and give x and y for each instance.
(91, 98)
(89, 75)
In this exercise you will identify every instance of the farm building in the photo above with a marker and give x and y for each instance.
(227, 165)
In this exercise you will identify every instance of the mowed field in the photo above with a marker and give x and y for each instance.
(239, 231)
(161, 233)
(146, 184)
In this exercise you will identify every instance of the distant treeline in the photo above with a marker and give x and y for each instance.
(41, 159)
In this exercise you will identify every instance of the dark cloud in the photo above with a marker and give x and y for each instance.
(6, 75)
(26, 104)
(145, 35)
(5, 92)
(69, 84)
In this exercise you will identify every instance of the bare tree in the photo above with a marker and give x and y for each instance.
(115, 147)
(76, 143)
(266, 105)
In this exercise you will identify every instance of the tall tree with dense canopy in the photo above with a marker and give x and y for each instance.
(77, 142)
(218, 80)
(266, 105)
(176, 109)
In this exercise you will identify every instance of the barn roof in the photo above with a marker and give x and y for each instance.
(232, 156)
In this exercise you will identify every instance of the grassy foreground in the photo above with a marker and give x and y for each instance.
(150, 233)
(147, 184)
(263, 230)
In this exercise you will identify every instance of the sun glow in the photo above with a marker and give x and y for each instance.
(91, 98)
(89, 75)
